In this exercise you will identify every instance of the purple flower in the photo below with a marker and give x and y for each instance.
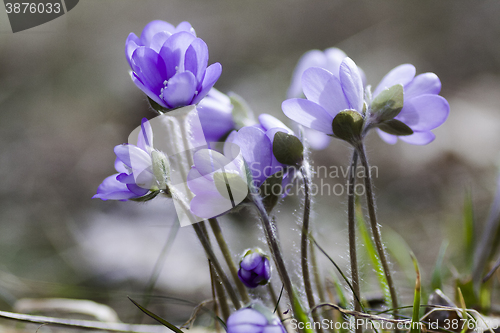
(256, 143)
(218, 182)
(423, 108)
(215, 112)
(327, 95)
(255, 269)
(169, 64)
(134, 163)
(250, 320)
(329, 59)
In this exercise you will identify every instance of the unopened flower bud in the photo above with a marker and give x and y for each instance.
(255, 268)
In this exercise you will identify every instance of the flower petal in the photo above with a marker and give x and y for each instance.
(208, 205)
(131, 44)
(256, 149)
(112, 189)
(402, 74)
(251, 261)
(316, 140)
(267, 121)
(152, 28)
(419, 138)
(145, 136)
(196, 58)
(246, 316)
(149, 68)
(333, 98)
(389, 138)
(312, 58)
(180, 90)
(174, 51)
(185, 26)
(133, 157)
(199, 184)
(426, 83)
(424, 112)
(314, 81)
(138, 191)
(308, 114)
(212, 74)
(352, 84)
(158, 40)
(147, 90)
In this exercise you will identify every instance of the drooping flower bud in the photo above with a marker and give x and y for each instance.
(255, 268)
(255, 319)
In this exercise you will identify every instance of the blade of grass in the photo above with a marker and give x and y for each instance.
(156, 317)
(437, 276)
(415, 319)
(372, 254)
(469, 230)
(300, 314)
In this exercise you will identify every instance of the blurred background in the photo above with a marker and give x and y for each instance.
(66, 100)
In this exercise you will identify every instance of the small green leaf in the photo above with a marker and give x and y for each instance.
(469, 230)
(157, 107)
(436, 280)
(348, 125)
(288, 149)
(156, 317)
(147, 197)
(271, 190)
(242, 113)
(395, 127)
(388, 103)
(300, 314)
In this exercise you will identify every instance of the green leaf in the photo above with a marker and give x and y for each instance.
(242, 113)
(157, 107)
(469, 230)
(271, 190)
(436, 280)
(348, 125)
(299, 312)
(147, 197)
(395, 127)
(388, 103)
(288, 149)
(415, 318)
(156, 317)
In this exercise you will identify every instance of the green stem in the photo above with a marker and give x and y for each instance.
(370, 200)
(352, 235)
(219, 292)
(215, 262)
(214, 224)
(304, 245)
(272, 241)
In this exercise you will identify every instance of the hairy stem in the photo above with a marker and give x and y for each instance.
(214, 224)
(304, 245)
(215, 262)
(352, 235)
(272, 241)
(370, 200)
(221, 300)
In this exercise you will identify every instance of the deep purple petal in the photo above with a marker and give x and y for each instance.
(174, 51)
(131, 44)
(402, 74)
(308, 114)
(352, 84)
(389, 138)
(145, 136)
(424, 112)
(419, 138)
(112, 189)
(147, 91)
(126, 178)
(427, 83)
(251, 261)
(212, 74)
(256, 149)
(154, 27)
(139, 191)
(197, 58)
(149, 68)
(180, 90)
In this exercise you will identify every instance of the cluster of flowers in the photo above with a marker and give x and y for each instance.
(170, 65)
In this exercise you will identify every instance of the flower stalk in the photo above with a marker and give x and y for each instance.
(370, 201)
(352, 236)
(214, 224)
(304, 245)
